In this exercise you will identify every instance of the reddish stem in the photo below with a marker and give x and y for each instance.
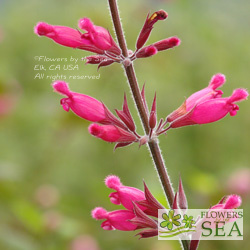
(152, 144)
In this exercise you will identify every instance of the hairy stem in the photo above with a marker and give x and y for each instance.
(152, 144)
(130, 73)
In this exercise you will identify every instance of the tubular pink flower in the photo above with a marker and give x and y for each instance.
(211, 110)
(124, 195)
(111, 133)
(65, 36)
(230, 203)
(206, 105)
(84, 106)
(118, 219)
(99, 36)
(207, 93)
(233, 201)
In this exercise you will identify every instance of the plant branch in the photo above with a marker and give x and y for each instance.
(130, 73)
(152, 144)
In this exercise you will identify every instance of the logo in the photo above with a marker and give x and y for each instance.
(200, 224)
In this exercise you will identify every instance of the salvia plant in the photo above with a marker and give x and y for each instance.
(207, 105)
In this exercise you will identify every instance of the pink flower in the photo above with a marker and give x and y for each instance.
(111, 133)
(84, 106)
(210, 92)
(66, 36)
(124, 195)
(118, 219)
(207, 106)
(137, 215)
(233, 201)
(148, 26)
(97, 39)
(230, 203)
(99, 36)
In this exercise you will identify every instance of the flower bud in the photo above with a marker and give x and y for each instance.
(146, 52)
(111, 133)
(118, 219)
(167, 43)
(148, 26)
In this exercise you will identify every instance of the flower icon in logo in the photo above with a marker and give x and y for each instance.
(170, 219)
(188, 220)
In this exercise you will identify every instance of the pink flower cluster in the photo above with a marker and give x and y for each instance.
(98, 40)
(207, 105)
(139, 207)
(152, 49)
(111, 129)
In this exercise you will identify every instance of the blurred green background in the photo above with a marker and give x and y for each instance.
(52, 170)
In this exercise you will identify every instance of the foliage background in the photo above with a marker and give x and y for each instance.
(52, 171)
